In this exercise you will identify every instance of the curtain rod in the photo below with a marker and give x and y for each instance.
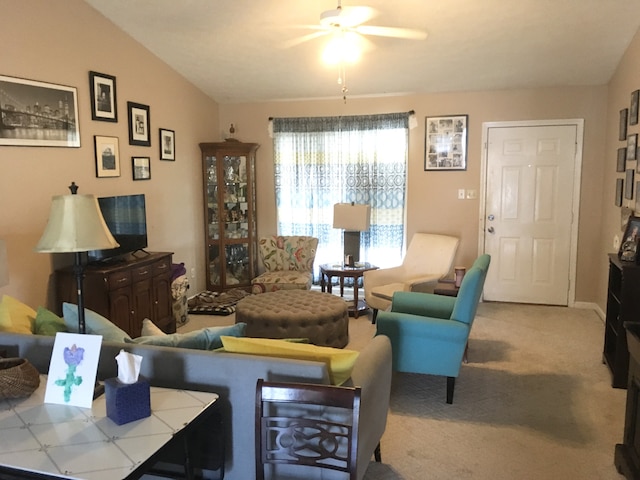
(410, 112)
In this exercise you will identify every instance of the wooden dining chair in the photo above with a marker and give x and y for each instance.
(307, 426)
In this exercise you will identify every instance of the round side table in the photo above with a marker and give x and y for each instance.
(328, 270)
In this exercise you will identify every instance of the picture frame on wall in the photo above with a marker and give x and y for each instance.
(622, 129)
(107, 153)
(38, 114)
(139, 124)
(628, 184)
(446, 143)
(141, 167)
(619, 192)
(104, 107)
(632, 143)
(637, 206)
(167, 145)
(633, 108)
(621, 164)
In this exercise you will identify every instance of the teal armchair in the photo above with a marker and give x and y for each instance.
(429, 332)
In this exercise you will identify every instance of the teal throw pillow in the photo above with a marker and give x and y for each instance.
(96, 324)
(203, 339)
(48, 323)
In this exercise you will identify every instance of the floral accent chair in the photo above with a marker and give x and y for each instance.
(288, 263)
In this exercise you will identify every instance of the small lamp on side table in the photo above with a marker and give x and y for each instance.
(353, 219)
(76, 226)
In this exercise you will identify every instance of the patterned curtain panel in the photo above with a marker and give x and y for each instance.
(321, 161)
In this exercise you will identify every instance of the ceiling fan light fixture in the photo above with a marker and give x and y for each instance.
(342, 48)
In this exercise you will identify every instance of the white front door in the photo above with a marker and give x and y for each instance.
(528, 216)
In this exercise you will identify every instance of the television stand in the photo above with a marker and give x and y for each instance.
(125, 292)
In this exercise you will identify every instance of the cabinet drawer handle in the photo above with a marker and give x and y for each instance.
(120, 280)
(143, 273)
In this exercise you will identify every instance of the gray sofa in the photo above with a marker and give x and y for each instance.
(234, 378)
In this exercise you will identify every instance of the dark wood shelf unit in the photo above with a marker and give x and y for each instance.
(623, 305)
(125, 291)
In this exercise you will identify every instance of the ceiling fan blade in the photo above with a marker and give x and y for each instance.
(406, 33)
(304, 38)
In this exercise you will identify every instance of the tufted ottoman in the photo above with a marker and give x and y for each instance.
(320, 317)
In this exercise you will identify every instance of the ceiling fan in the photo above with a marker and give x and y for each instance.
(352, 20)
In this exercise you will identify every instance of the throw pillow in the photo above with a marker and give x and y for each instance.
(15, 316)
(150, 329)
(339, 361)
(48, 323)
(203, 339)
(95, 323)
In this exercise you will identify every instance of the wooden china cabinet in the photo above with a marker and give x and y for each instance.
(229, 187)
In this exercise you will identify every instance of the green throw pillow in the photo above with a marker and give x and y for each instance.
(48, 323)
(203, 339)
(95, 323)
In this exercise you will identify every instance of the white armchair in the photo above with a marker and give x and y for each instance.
(429, 258)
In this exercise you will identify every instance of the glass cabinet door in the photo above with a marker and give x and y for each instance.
(213, 220)
(236, 208)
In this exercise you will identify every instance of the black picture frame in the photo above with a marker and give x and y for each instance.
(633, 108)
(445, 142)
(622, 130)
(632, 145)
(107, 155)
(619, 191)
(629, 245)
(104, 106)
(621, 164)
(139, 124)
(637, 206)
(167, 142)
(141, 168)
(628, 184)
(48, 107)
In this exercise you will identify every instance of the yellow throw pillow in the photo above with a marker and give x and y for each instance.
(339, 361)
(15, 316)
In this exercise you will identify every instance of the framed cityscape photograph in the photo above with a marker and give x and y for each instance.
(621, 165)
(446, 143)
(622, 129)
(107, 156)
(628, 184)
(139, 124)
(632, 143)
(38, 114)
(633, 108)
(141, 167)
(167, 144)
(103, 97)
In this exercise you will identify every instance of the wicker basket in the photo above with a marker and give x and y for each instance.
(18, 378)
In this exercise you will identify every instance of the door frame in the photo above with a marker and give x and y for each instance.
(575, 205)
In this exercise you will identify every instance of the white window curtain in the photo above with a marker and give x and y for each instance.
(321, 161)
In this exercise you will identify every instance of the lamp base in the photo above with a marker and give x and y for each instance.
(351, 247)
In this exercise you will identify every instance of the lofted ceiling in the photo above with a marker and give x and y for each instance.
(236, 50)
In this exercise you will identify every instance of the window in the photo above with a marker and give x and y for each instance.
(321, 161)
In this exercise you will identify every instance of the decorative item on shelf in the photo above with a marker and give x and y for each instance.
(629, 247)
(18, 378)
(353, 219)
(4, 264)
(459, 273)
(232, 131)
(75, 226)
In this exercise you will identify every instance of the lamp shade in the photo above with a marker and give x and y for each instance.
(75, 225)
(351, 217)
(4, 265)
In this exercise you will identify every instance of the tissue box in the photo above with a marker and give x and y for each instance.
(127, 402)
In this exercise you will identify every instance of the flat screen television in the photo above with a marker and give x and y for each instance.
(126, 218)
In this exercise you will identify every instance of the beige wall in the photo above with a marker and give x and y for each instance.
(432, 196)
(60, 42)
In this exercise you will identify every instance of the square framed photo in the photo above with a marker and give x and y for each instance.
(103, 97)
(446, 143)
(139, 124)
(38, 114)
(167, 144)
(622, 129)
(141, 167)
(633, 108)
(107, 156)
(632, 143)
(621, 165)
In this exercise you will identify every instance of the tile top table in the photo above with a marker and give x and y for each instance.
(61, 441)
(342, 271)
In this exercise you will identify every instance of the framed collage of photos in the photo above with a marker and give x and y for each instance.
(446, 143)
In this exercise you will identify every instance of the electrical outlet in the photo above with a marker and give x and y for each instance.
(461, 194)
(193, 272)
(471, 194)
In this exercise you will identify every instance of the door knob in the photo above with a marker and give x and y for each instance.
(491, 230)
(491, 217)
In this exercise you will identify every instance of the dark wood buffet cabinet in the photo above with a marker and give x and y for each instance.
(125, 292)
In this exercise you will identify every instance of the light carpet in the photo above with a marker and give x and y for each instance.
(534, 402)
